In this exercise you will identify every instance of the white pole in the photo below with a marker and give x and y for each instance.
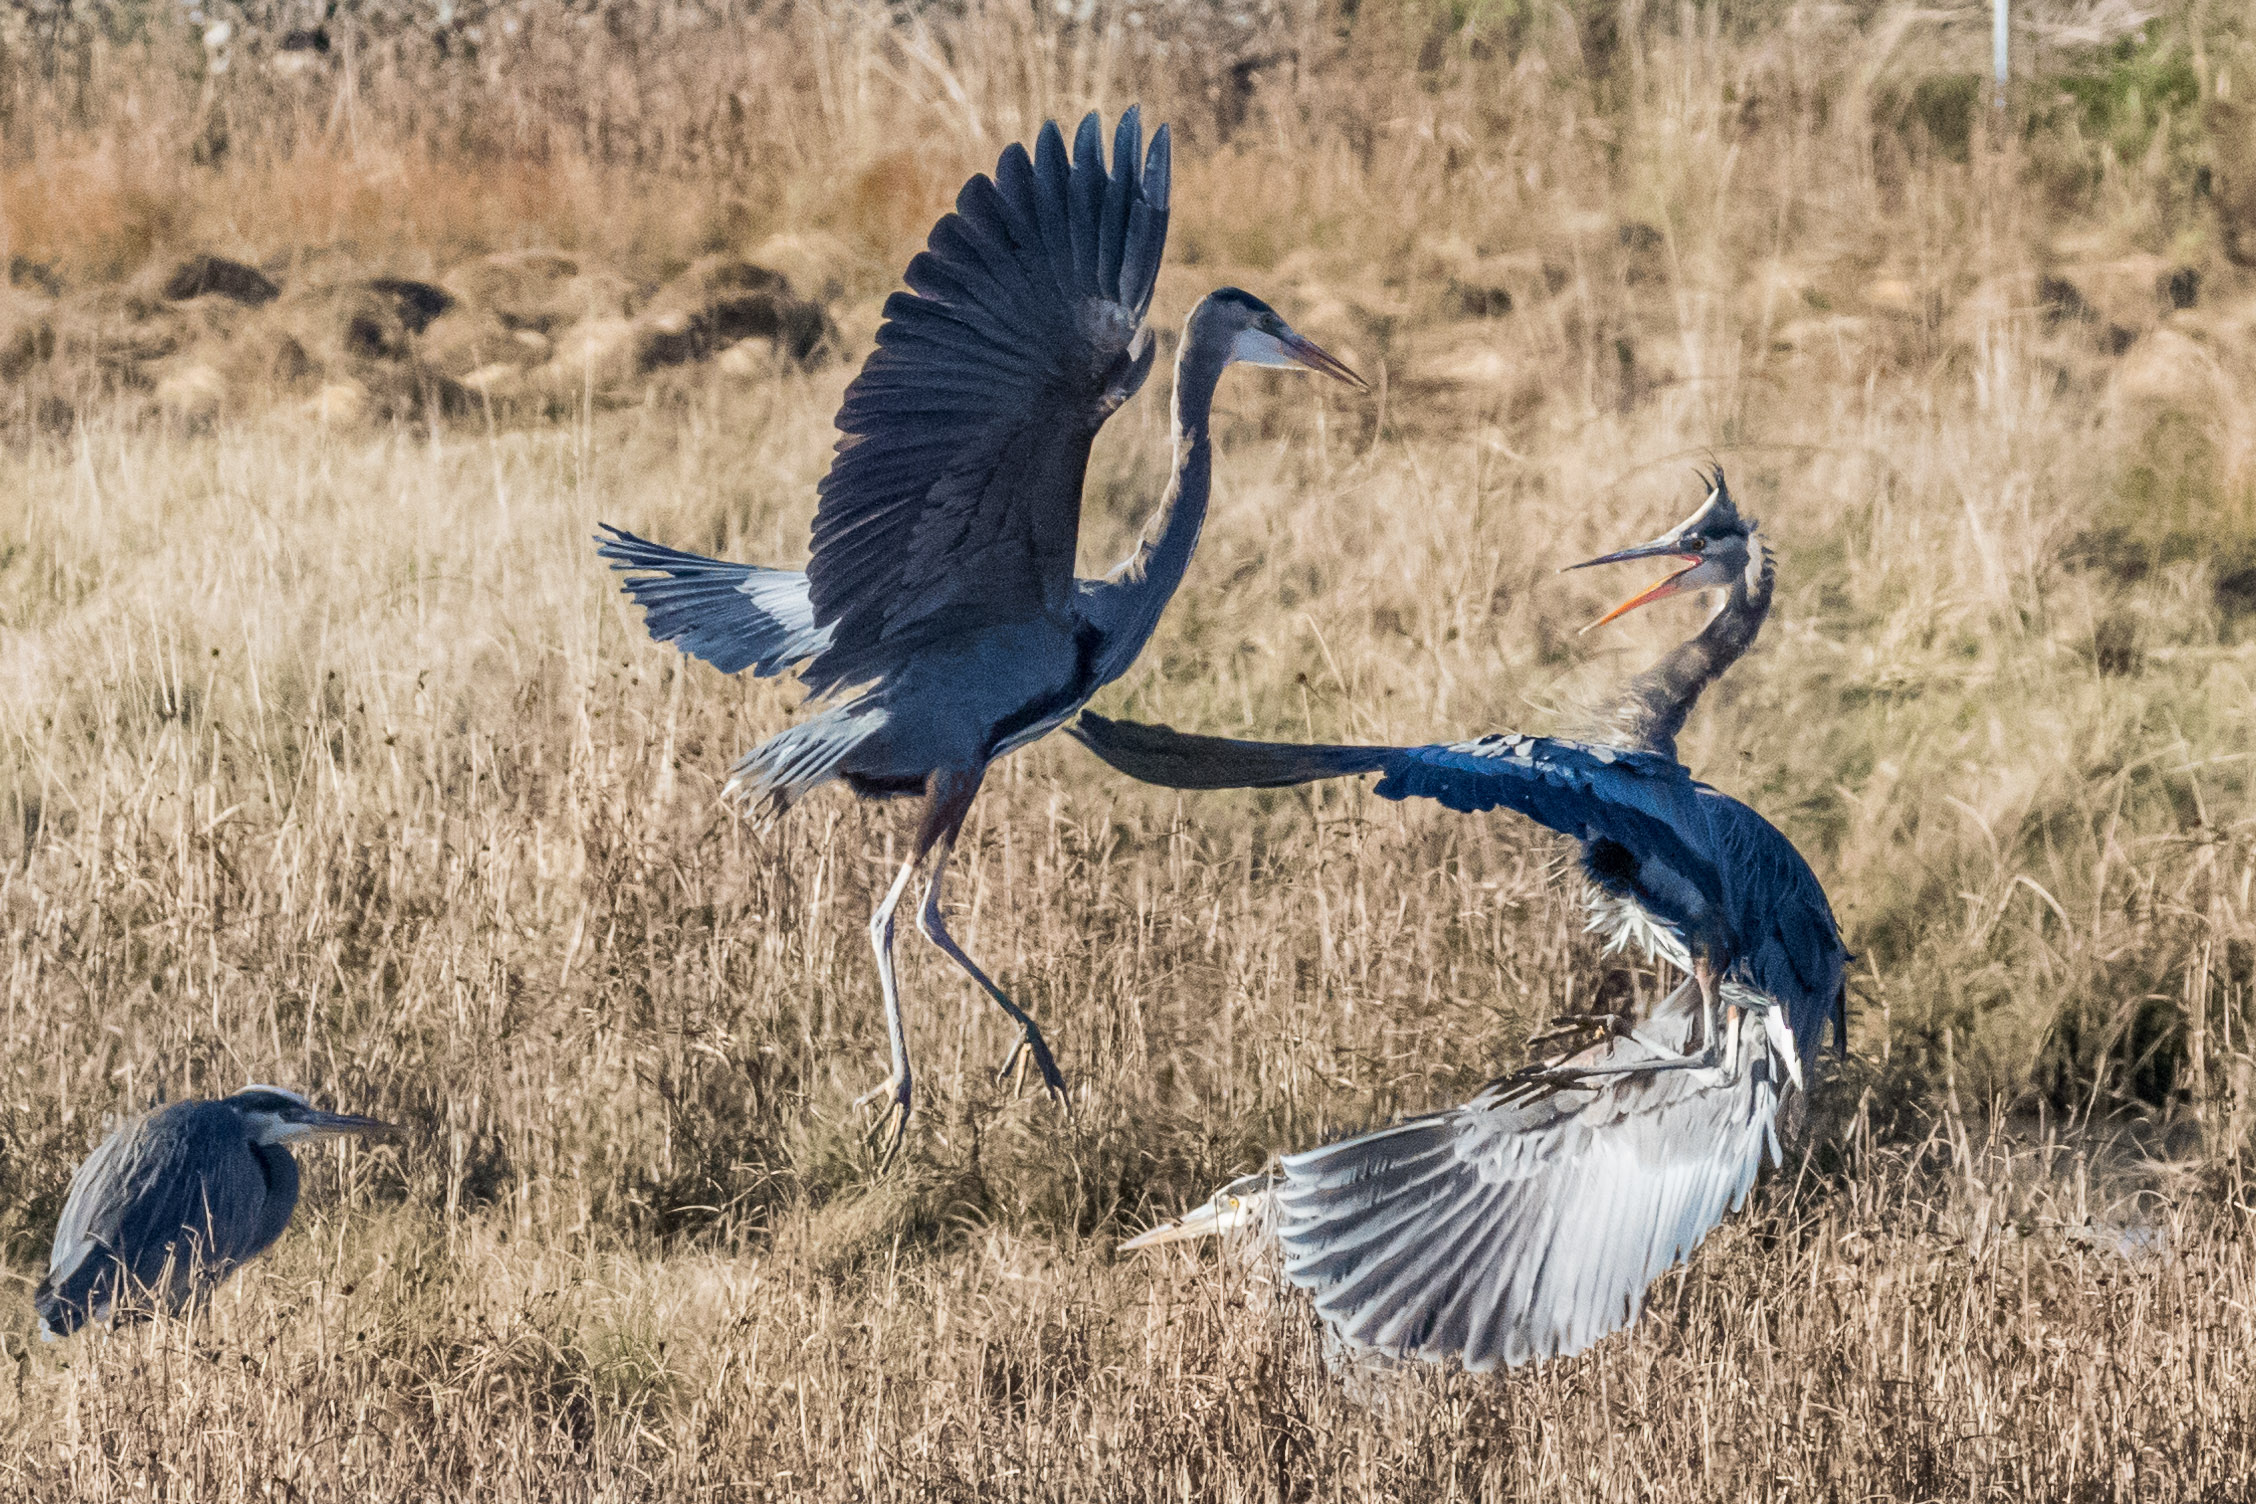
(1998, 48)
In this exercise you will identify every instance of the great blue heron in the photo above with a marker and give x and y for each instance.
(1530, 1221)
(940, 584)
(175, 1201)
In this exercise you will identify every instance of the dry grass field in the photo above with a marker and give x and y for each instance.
(331, 756)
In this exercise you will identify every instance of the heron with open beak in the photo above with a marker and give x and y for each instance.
(1530, 1221)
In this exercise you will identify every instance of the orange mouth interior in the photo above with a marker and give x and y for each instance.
(1658, 590)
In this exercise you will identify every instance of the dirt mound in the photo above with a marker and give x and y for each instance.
(216, 276)
(721, 302)
(208, 337)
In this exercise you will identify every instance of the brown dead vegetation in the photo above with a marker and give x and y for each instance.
(329, 754)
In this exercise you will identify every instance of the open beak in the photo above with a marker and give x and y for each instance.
(1659, 548)
(1243, 1203)
(1317, 358)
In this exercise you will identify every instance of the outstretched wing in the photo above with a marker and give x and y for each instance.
(1686, 854)
(956, 495)
(1636, 799)
(1180, 760)
(734, 616)
(1649, 831)
(1527, 1224)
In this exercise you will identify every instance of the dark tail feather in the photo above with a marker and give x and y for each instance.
(1178, 760)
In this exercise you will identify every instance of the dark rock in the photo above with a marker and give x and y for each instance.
(26, 340)
(2116, 649)
(419, 304)
(217, 276)
(2060, 301)
(1483, 302)
(2236, 592)
(717, 303)
(36, 275)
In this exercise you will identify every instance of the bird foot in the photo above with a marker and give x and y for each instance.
(892, 1126)
(1579, 1026)
(1029, 1046)
(1614, 1021)
(1587, 1075)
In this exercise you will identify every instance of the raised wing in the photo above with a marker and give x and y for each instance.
(1530, 1222)
(734, 616)
(956, 495)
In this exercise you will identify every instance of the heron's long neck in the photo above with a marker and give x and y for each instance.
(1650, 709)
(1146, 580)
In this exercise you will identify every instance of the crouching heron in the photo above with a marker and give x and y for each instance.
(1530, 1221)
(939, 598)
(175, 1201)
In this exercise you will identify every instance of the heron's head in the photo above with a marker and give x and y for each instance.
(272, 1115)
(1714, 545)
(1249, 332)
(1242, 1205)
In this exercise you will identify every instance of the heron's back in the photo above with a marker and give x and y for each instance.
(166, 1207)
(942, 701)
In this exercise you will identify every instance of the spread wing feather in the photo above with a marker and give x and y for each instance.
(956, 491)
(1787, 944)
(1180, 760)
(1526, 1224)
(1579, 790)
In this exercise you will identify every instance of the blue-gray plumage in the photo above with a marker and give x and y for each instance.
(174, 1201)
(939, 603)
(1530, 1221)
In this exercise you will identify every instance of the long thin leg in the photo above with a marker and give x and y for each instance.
(1029, 1042)
(952, 795)
(895, 1123)
(1711, 1051)
(1620, 1025)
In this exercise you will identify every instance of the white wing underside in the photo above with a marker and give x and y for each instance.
(1529, 1223)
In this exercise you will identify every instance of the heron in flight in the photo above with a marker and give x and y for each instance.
(1530, 1221)
(175, 1201)
(939, 610)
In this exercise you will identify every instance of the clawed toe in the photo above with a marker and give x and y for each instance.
(892, 1126)
(1029, 1047)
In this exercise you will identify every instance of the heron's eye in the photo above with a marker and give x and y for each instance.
(1695, 544)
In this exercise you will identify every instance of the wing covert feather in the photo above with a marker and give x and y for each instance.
(1508, 1230)
(956, 489)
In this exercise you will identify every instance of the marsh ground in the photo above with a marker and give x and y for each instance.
(332, 757)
